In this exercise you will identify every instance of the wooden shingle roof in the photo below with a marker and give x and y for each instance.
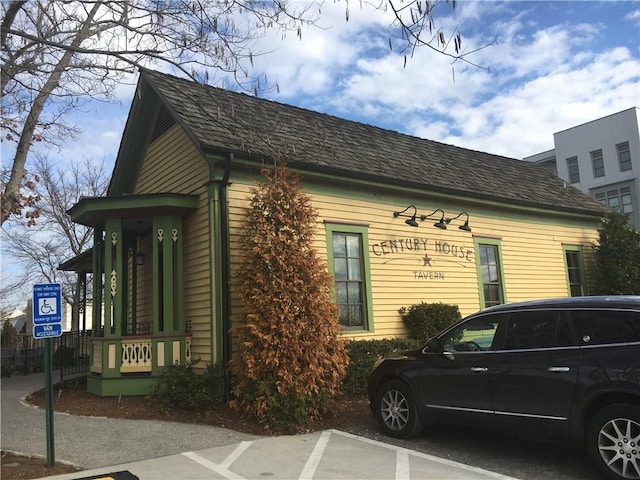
(221, 120)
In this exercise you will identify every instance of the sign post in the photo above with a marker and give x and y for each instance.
(47, 323)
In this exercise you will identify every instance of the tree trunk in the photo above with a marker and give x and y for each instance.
(11, 195)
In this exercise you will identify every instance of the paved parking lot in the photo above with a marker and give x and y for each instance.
(326, 455)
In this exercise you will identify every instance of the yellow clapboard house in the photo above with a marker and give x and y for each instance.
(402, 220)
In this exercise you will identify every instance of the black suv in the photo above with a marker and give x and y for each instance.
(564, 368)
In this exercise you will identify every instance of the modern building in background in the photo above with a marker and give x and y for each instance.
(601, 158)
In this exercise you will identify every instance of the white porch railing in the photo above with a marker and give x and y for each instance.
(136, 355)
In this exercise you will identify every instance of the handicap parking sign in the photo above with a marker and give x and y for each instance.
(47, 310)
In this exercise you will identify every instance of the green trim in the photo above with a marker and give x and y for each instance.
(115, 264)
(478, 241)
(215, 271)
(397, 198)
(332, 228)
(579, 250)
(135, 140)
(98, 287)
(167, 252)
(125, 386)
(424, 199)
(95, 211)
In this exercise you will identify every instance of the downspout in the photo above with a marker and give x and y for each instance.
(225, 277)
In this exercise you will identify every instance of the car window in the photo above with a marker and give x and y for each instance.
(599, 327)
(537, 329)
(475, 335)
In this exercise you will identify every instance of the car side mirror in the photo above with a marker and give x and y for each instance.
(434, 345)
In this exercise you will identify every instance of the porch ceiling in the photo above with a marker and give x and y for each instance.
(133, 209)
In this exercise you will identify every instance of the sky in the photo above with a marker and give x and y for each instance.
(546, 67)
(550, 66)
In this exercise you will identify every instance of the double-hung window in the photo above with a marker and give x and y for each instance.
(598, 163)
(348, 262)
(573, 169)
(574, 266)
(490, 273)
(624, 157)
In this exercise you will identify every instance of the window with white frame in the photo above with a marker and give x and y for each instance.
(574, 170)
(598, 163)
(624, 157)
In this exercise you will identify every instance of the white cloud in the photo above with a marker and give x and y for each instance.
(541, 79)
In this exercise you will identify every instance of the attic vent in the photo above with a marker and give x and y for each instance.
(164, 121)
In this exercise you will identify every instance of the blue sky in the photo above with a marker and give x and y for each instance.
(554, 65)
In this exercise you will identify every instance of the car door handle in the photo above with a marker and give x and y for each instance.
(479, 369)
(559, 369)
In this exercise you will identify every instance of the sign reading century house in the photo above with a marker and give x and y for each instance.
(47, 310)
(441, 251)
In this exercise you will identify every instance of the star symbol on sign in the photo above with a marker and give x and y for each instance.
(427, 260)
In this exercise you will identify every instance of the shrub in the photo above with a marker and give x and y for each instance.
(64, 357)
(288, 356)
(617, 269)
(9, 335)
(181, 387)
(363, 354)
(425, 320)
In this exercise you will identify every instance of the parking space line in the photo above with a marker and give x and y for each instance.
(426, 456)
(402, 465)
(213, 466)
(235, 454)
(314, 459)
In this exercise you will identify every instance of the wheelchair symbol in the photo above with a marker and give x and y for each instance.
(45, 308)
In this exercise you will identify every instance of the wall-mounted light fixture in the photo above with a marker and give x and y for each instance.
(465, 226)
(139, 256)
(409, 221)
(440, 223)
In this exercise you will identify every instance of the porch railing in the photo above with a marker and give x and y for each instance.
(139, 354)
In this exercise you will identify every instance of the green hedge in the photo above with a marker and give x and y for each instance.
(182, 388)
(425, 320)
(363, 354)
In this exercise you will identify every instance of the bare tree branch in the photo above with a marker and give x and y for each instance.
(57, 54)
(55, 238)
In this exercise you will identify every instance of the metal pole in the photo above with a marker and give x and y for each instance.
(48, 398)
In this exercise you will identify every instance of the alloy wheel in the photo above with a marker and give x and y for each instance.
(394, 410)
(619, 446)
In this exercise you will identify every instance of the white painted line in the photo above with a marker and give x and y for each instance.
(402, 465)
(426, 456)
(212, 466)
(314, 459)
(235, 454)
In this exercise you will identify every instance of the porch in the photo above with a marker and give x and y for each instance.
(130, 365)
(136, 269)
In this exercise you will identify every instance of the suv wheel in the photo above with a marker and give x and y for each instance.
(613, 441)
(396, 410)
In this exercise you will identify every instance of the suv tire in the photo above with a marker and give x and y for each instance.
(396, 410)
(613, 441)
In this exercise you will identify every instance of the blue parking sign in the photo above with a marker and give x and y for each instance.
(47, 310)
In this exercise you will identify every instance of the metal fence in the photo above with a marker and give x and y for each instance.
(70, 354)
